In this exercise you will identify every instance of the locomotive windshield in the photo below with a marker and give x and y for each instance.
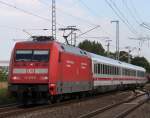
(32, 55)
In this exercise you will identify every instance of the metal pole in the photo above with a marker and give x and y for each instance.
(54, 19)
(117, 38)
(108, 47)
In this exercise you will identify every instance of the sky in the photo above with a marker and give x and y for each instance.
(20, 16)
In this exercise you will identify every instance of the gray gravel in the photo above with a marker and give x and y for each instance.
(76, 109)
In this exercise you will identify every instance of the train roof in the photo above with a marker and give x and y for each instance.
(110, 61)
(97, 58)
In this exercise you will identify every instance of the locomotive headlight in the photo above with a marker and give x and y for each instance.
(15, 78)
(44, 78)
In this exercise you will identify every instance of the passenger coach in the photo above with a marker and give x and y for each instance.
(109, 74)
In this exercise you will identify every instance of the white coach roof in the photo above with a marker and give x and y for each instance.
(110, 61)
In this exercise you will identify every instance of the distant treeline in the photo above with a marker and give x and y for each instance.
(97, 48)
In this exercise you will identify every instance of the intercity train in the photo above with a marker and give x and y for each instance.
(46, 70)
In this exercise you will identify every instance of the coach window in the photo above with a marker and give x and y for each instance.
(113, 70)
(98, 68)
(117, 70)
(101, 68)
(129, 72)
(123, 73)
(110, 70)
(112, 67)
(107, 69)
(94, 68)
(104, 69)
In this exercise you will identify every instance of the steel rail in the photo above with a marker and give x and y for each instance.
(103, 109)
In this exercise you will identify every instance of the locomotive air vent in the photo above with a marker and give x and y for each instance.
(42, 38)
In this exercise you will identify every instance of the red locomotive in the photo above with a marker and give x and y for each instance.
(48, 70)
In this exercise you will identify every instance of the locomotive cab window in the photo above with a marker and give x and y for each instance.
(40, 55)
(23, 55)
(32, 55)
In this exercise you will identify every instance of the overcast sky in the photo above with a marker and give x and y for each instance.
(85, 14)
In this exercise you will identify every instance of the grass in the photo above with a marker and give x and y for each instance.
(5, 97)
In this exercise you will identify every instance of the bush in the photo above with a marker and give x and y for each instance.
(5, 97)
(3, 76)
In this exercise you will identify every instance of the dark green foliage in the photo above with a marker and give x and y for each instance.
(93, 47)
(97, 48)
(3, 75)
(141, 61)
(5, 97)
(124, 56)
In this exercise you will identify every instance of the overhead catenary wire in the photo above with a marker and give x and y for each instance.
(78, 18)
(131, 12)
(88, 8)
(69, 14)
(130, 27)
(92, 12)
(88, 31)
(135, 11)
(25, 11)
(118, 15)
(20, 29)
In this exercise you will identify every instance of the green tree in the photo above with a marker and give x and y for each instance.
(124, 56)
(93, 47)
(97, 48)
(141, 61)
(3, 75)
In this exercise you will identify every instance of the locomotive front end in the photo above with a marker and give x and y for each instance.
(29, 72)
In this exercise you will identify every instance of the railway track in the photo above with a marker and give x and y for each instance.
(105, 112)
(7, 105)
(14, 110)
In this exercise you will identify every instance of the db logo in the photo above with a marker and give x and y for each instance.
(30, 71)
